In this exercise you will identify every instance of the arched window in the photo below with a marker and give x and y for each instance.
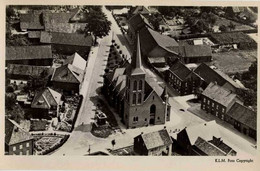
(135, 85)
(134, 98)
(139, 98)
(152, 109)
(140, 85)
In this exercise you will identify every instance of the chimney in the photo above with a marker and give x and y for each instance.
(164, 127)
(142, 133)
(205, 124)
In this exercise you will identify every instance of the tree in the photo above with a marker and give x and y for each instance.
(223, 28)
(97, 24)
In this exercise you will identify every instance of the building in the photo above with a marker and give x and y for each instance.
(68, 43)
(136, 23)
(46, 103)
(182, 79)
(49, 21)
(217, 100)
(243, 119)
(194, 53)
(138, 98)
(154, 44)
(27, 72)
(158, 62)
(29, 55)
(68, 78)
(17, 140)
(214, 75)
(76, 60)
(235, 39)
(158, 143)
(203, 140)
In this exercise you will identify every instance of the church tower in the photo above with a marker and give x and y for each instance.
(135, 86)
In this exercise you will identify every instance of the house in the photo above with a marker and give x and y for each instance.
(31, 21)
(217, 100)
(68, 78)
(27, 72)
(194, 53)
(136, 23)
(158, 143)
(77, 61)
(68, 43)
(29, 55)
(47, 20)
(183, 79)
(158, 62)
(140, 10)
(239, 39)
(46, 102)
(214, 75)
(17, 140)
(203, 140)
(136, 95)
(243, 119)
(154, 44)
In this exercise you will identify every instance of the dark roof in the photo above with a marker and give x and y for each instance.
(138, 21)
(68, 74)
(66, 38)
(46, 99)
(151, 39)
(243, 114)
(221, 145)
(14, 133)
(156, 139)
(208, 148)
(31, 21)
(193, 50)
(211, 75)
(180, 70)
(34, 34)
(219, 94)
(231, 38)
(28, 70)
(28, 52)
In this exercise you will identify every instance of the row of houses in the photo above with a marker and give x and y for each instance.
(227, 106)
(199, 140)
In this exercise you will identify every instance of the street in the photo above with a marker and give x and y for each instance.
(81, 139)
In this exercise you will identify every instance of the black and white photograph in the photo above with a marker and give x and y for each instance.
(130, 80)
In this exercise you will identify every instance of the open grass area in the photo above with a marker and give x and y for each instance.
(234, 61)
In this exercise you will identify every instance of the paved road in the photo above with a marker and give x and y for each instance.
(80, 139)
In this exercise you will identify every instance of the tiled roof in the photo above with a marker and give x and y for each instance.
(194, 50)
(46, 99)
(231, 38)
(28, 70)
(180, 70)
(219, 94)
(156, 139)
(205, 130)
(77, 61)
(208, 148)
(68, 74)
(243, 114)
(211, 75)
(28, 52)
(31, 21)
(66, 27)
(66, 38)
(151, 39)
(14, 133)
(138, 21)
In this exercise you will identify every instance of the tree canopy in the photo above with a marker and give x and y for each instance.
(97, 24)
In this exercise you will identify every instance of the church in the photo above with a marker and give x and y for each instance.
(138, 98)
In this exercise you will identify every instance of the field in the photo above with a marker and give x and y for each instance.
(234, 61)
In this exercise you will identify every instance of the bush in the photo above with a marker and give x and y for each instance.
(120, 52)
(113, 41)
(118, 47)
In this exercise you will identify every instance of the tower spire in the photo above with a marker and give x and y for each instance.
(136, 60)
